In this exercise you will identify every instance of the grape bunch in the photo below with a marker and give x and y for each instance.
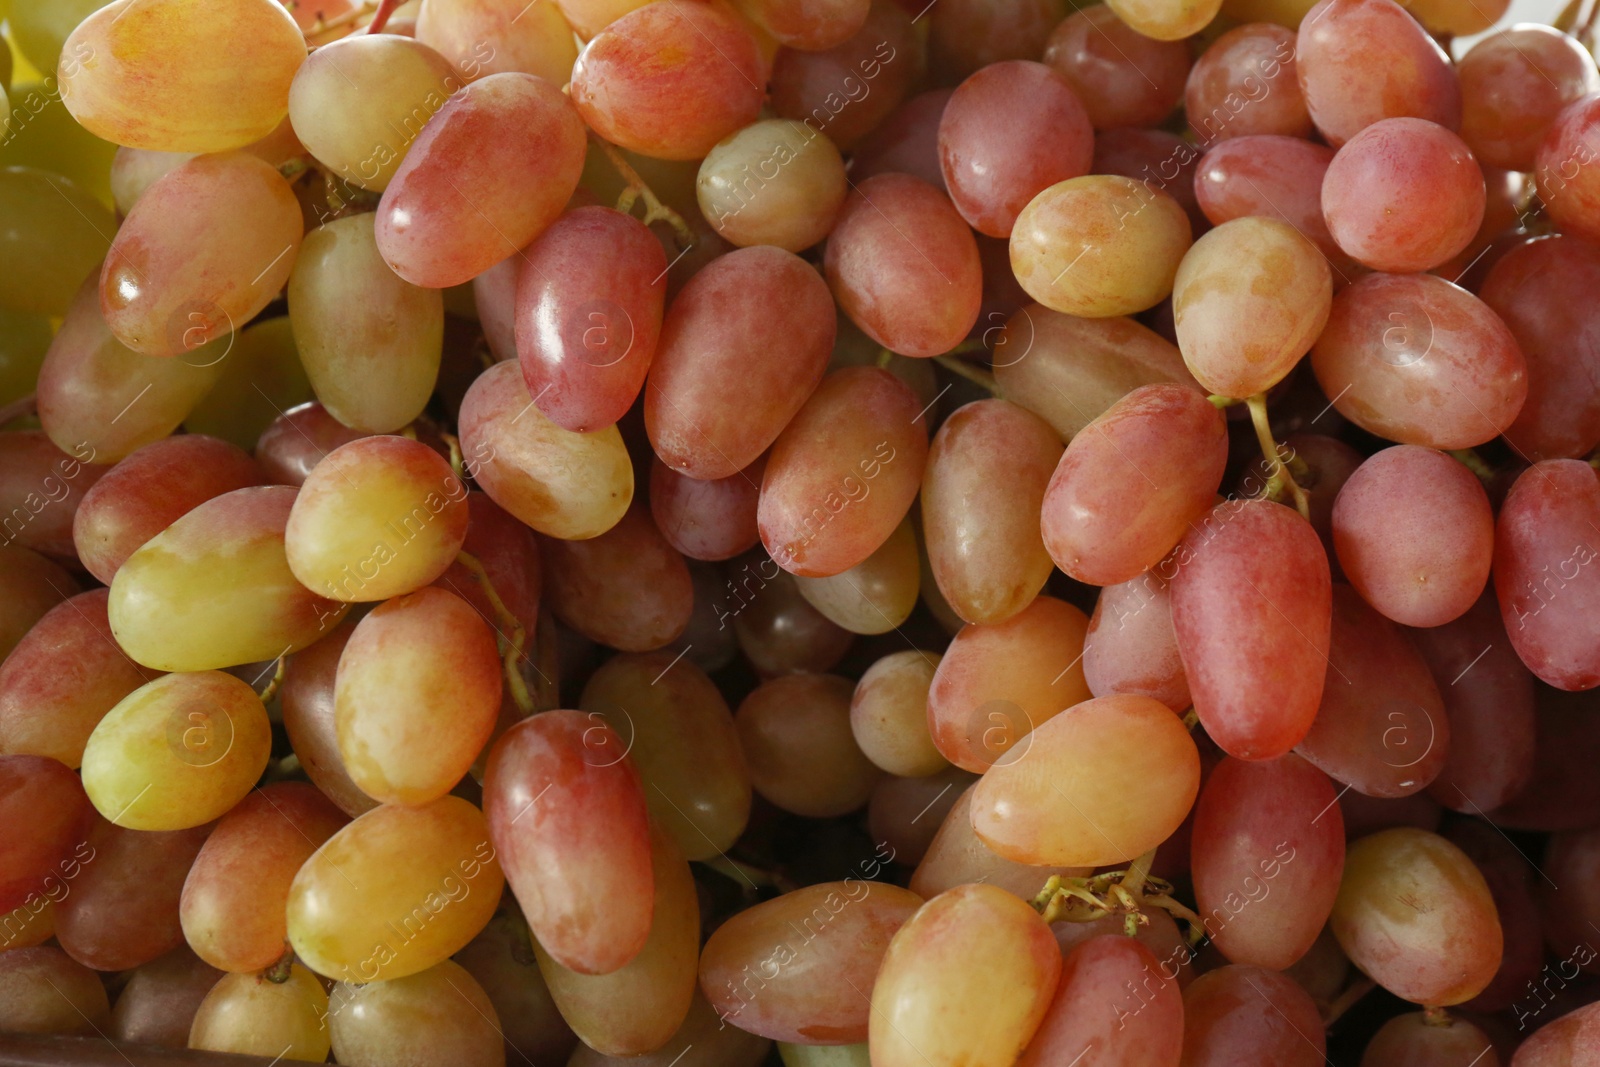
(832, 533)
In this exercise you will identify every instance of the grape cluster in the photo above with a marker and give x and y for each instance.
(703, 533)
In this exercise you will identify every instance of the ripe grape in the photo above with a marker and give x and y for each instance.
(1113, 1007)
(713, 519)
(1245, 84)
(45, 991)
(1244, 1014)
(307, 701)
(627, 588)
(297, 440)
(1122, 76)
(847, 90)
(44, 801)
(32, 586)
(1514, 885)
(889, 718)
(703, 1040)
(58, 233)
(1158, 933)
(904, 814)
(1513, 85)
(1275, 176)
(797, 740)
(589, 17)
(481, 37)
(777, 182)
(957, 856)
(907, 142)
(1154, 157)
(966, 35)
(159, 1001)
(876, 595)
(437, 1016)
(1131, 647)
(811, 25)
(263, 378)
(778, 630)
(253, 1015)
(501, 960)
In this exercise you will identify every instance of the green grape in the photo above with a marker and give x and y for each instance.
(261, 378)
(44, 134)
(24, 339)
(55, 234)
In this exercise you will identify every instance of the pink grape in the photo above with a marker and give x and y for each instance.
(707, 520)
(41, 490)
(46, 804)
(1513, 85)
(811, 25)
(481, 37)
(627, 588)
(1562, 170)
(1154, 157)
(1245, 84)
(1244, 1014)
(1113, 1008)
(297, 441)
(1123, 77)
(1276, 176)
(847, 90)
(778, 630)
(907, 142)
(32, 585)
(967, 35)
(307, 701)
(1131, 647)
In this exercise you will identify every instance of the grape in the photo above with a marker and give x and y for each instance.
(254, 1015)
(297, 441)
(481, 37)
(1568, 1039)
(129, 73)
(1565, 183)
(395, 892)
(1420, 361)
(1132, 237)
(637, 1007)
(907, 142)
(706, 520)
(889, 718)
(58, 233)
(1415, 535)
(1532, 288)
(1415, 915)
(1245, 84)
(847, 90)
(435, 1017)
(752, 301)
(1070, 370)
(1543, 540)
(797, 740)
(1513, 85)
(502, 961)
(589, 298)
(966, 980)
(1322, 971)
(811, 25)
(626, 588)
(32, 586)
(1416, 1040)
(796, 968)
(158, 1004)
(170, 283)
(1158, 933)
(1130, 485)
(1156, 158)
(121, 908)
(44, 802)
(563, 484)
(1561, 794)
(904, 266)
(904, 814)
(669, 80)
(263, 377)
(1403, 195)
(957, 856)
(462, 199)
(1010, 131)
(682, 738)
(1242, 329)
(41, 490)
(1359, 61)
(777, 182)
(1122, 76)
(1130, 646)
(824, 1055)
(1112, 1007)
(30, 923)
(1491, 719)
(1512, 884)
(1278, 177)
(708, 641)
(1257, 681)
(703, 1040)
(370, 341)
(1056, 798)
(589, 17)
(876, 595)
(99, 401)
(1329, 463)
(1267, 831)
(967, 35)
(24, 339)
(778, 630)
(307, 698)
(1224, 1021)
(45, 991)
(570, 853)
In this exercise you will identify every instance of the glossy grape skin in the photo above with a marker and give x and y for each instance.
(589, 298)
(681, 735)
(1122, 77)
(1561, 170)
(502, 961)
(1532, 288)
(1415, 915)
(1543, 542)
(1415, 535)
(562, 484)
(802, 754)
(44, 802)
(876, 595)
(1161, 159)
(1244, 1014)
(159, 1001)
(370, 341)
(297, 440)
(957, 856)
(847, 90)
(1360, 61)
(906, 142)
(1113, 1007)
(251, 1014)
(982, 488)
(904, 266)
(1132, 482)
(467, 194)
(752, 301)
(429, 872)
(966, 980)
(32, 586)
(1275, 176)
(637, 1007)
(1270, 827)
(776, 182)
(1403, 195)
(823, 945)
(61, 234)
(706, 520)
(1257, 682)
(1513, 85)
(481, 37)
(307, 701)
(1245, 84)
(1130, 646)
(1418, 360)
(888, 714)
(626, 588)
(128, 73)
(778, 630)
(45, 991)
(122, 910)
(1100, 245)
(669, 81)
(432, 1018)
(172, 282)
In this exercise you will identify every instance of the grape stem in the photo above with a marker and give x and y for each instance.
(961, 367)
(273, 686)
(278, 973)
(1474, 463)
(381, 19)
(1280, 479)
(1220, 401)
(749, 874)
(512, 646)
(1348, 999)
(1127, 893)
(1191, 719)
(20, 408)
(654, 209)
(456, 463)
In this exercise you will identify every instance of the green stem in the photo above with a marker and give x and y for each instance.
(1280, 479)
(637, 188)
(511, 624)
(1474, 463)
(972, 374)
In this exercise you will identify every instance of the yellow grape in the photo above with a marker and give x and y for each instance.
(44, 134)
(24, 339)
(889, 714)
(55, 234)
(437, 1016)
(824, 1055)
(254, 1016)
(775, 182)
(41, 27)
(492, 36)
(177, 752)
(370, 340)
(181, 75)
(1166, 20)
(877, 594)
(395, 892)
(261, 377)
(214, 589)
(958, 856)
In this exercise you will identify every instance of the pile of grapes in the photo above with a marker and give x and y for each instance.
(857, 533)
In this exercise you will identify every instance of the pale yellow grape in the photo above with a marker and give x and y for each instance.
(177, 752)
(775, 182)
(214, 589)
(824, 1055)
(181, 75)
(24, 339)
(491, 36)
(40, 27)
(369, 340)
(358, 103)
(440, 1017)
(55, 233)
(1166, 20)
(44, 134)
(133, 170)
(261, 378)
(889, 714)
(254, 1016)
(877, 594)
